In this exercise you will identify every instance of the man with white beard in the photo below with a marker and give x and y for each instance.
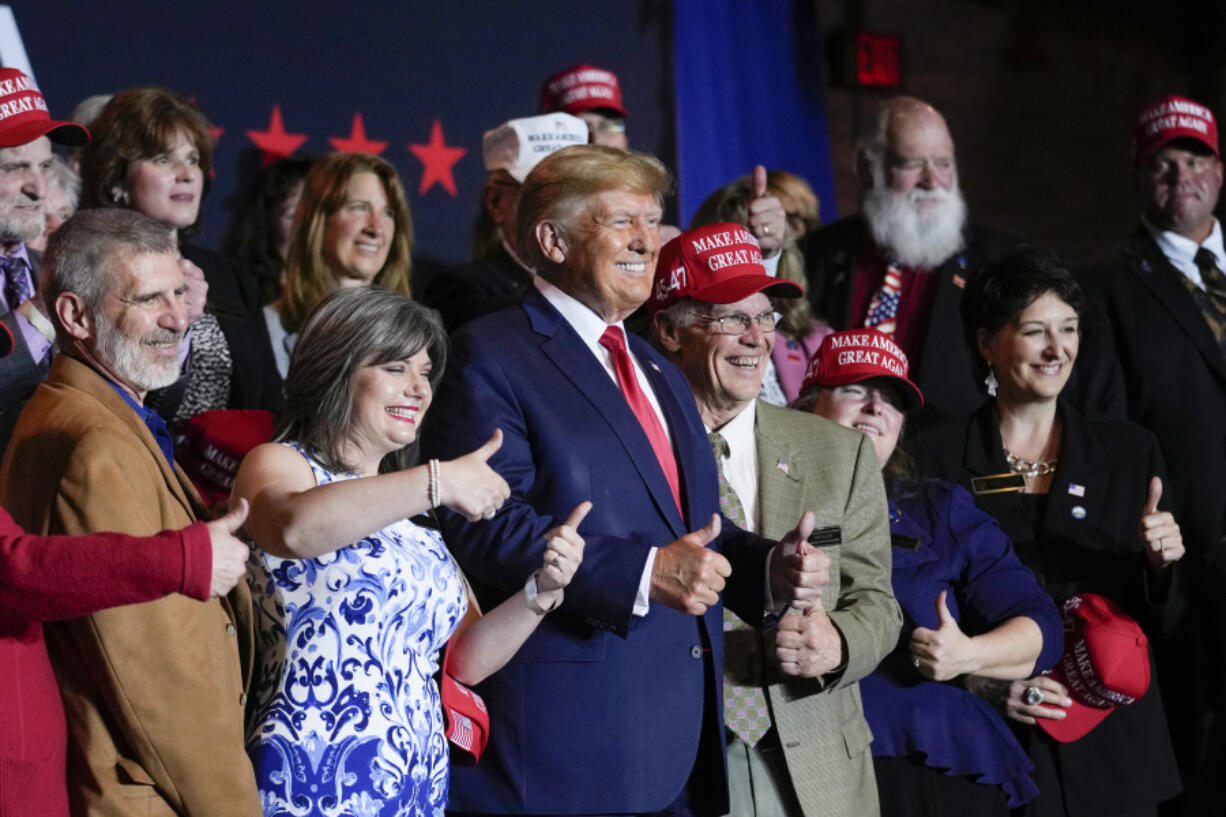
(900, 266)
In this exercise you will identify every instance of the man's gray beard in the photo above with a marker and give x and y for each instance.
(920, 241)
(15, 229)
(124, 355)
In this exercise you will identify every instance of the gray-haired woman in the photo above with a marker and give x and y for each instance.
(354, 598)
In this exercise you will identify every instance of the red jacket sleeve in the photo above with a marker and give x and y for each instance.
(45, 578)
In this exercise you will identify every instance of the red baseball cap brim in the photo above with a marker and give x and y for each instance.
(736, 288)
(1076, 724)
(62, 133)
(912, 397)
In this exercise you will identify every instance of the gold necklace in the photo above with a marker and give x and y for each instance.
(1029, 468)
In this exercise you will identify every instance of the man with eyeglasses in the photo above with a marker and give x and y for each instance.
(797, 741)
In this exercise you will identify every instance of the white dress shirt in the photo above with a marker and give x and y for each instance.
(741, 466)
(1181, 251)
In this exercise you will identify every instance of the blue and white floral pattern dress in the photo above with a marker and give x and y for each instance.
(347, 719)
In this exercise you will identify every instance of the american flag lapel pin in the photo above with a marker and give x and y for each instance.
(782, 466)
(1076, 490)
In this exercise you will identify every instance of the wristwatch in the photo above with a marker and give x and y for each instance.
(530, 594)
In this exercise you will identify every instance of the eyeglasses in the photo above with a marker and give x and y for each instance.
(737, 323)
(606, 125)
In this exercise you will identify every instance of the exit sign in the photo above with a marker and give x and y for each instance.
(861, 59)
(878, 60)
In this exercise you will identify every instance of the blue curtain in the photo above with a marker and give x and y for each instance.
(749, 90)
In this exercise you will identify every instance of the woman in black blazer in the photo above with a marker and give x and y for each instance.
(151, 150)
(1081, 499)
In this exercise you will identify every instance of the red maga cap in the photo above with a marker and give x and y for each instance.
(859, 354)
(582, 88)
(1170, 118)
(1105, 664)
(716, 264)
(214, 443)
(24, 117)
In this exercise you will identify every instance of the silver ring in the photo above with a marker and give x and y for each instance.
(557, 561)
(1033, 696)
(1161, 545)
(915, 661)
(489, 513)
(766, 229)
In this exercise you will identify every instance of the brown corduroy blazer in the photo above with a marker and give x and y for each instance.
(153, 693)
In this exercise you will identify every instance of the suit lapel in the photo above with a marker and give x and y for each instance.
(563, 346)
(1076, 498)
(1145, 261)
(780, 482)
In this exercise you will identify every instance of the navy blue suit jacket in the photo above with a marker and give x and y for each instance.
(600, 711)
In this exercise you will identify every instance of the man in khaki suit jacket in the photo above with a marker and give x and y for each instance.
(154, 693)
(798, 742)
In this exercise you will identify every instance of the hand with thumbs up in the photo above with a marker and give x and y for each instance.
(945, 652)
(563, 553)
(798, 573)
(768, 221)
(687, 575)
(467, 484)
(809, 645)
(1160, 537)
(229, 553)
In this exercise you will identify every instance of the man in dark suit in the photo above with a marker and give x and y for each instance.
(26, 134)
(912, 235)
(612, 706)
(499, 278)
(1164, 295)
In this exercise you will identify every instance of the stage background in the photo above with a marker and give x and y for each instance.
(466, 65)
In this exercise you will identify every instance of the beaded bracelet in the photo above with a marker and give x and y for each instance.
(433, 487)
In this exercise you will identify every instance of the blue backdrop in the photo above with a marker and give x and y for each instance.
(435, 75)
(748, 91)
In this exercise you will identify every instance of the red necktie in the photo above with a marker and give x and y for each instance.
(615, 342)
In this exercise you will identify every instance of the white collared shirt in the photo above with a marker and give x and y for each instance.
(590, 327)
(741, 466)
(1181, 251)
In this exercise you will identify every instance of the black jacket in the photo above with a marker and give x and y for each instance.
(1087, 542)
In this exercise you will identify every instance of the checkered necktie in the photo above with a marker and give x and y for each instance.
(16, 289)
(1211, 300)
(883, 309)
(745, 709)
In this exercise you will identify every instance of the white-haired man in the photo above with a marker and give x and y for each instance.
(900, 265)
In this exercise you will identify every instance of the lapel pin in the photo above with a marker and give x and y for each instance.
(1076, 490)
(1078, 512)
(782, 466)
(959, 282)
(653, 365)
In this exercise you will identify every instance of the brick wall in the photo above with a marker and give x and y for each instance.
(1039, 97)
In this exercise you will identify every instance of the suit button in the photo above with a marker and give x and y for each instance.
(230, 629)
(242, 699)
(695, 652)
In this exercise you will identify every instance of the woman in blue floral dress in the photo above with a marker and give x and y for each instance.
(354, 598)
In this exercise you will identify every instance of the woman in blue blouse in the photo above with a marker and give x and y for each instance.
(970, 608)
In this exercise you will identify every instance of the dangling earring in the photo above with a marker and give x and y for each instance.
(990, 382)
(119, 196)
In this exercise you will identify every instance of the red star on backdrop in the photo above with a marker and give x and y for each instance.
(275, 142)
(437, 160)
(215, 133)
(356, 141)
